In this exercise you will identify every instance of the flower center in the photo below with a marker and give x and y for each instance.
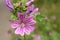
(23, 25)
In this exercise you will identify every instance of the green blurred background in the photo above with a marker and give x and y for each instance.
(50, 8)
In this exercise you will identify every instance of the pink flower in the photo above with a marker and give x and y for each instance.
(24, 25)
(37, 37)
(32, 10)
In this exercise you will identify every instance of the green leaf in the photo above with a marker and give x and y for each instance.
(55, 36)
(39, 18)
(16, 1)
(45, 38)
(13, 17)
(48, 27)
(24, 1)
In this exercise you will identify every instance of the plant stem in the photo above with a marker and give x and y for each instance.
(24, 37)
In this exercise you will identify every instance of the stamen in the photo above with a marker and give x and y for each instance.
(22, 24)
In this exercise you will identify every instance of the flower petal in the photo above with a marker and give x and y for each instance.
(31, 22)
(21, 16)
(28, 3)
(32, 28)
(14, 25)
(35, 11)
(31, 17)
(8, 3)
(20, 31)
(32, 0)
(27, 30)
(31, 7)
(37, 37)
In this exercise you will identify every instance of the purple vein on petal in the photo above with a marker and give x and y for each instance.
(9, 4)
